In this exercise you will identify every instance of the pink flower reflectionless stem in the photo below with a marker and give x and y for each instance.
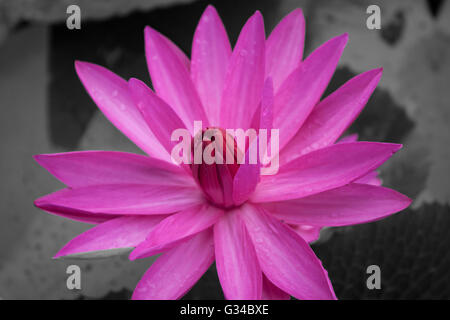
(256, 227)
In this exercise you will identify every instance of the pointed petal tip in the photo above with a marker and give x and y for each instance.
(338, 41)
(150, 33)
(81, 66)
(83, 69)
(297, 11)
(209, 18)
(38, 203)
(257, 18)
(135, 85)
(133, 82)
(58, 255)
(397, 146)
(209, 15)
(334, 46)
(296, 14)
(256, 21)
(38, 158)
(135, 254)
(41, 203)
(406, 201)
(132, 256)
(373, 72)
(210, 9)
(78, 64)
(342, 39)
(394, 147)
(344, 36)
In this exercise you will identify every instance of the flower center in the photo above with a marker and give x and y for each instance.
(215, 165)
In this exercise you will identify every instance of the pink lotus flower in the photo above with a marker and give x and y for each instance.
(255, 228)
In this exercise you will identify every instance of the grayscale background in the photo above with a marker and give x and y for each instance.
(44, 109)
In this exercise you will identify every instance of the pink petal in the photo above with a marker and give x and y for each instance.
(179, 226)
(114, 237)
(226, 184)
(245, 76)
(322, 170)
(161, 119)
(285, 258)
(350, 138)
(85, 168)
(308, 233)
(300, 92)
(209, 180)
(332, 116)
(263, 117)
(110, 93)
(171, 80)
(247, 176)
(370, 178)
(118, 199)
(267, 100)
(211, 51)
(284, 47)
(178, 53)
(237, 265)
(272, 292)
(347, 205)
(80, 216)
(177, 270)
